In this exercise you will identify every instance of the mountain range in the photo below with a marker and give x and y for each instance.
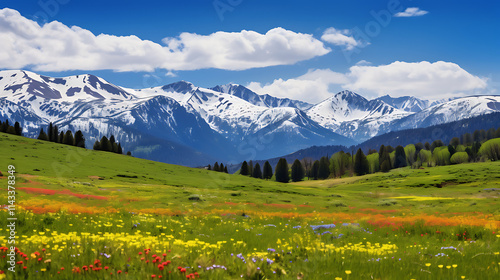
(181, 123)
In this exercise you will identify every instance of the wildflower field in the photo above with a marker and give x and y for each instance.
(92, 215)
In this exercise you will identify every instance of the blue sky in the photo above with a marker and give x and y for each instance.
(398, 55)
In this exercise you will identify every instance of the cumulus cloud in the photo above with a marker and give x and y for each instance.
(57, 47)
(411, 12)
(340, 38)
(420, 79)
(313, 87)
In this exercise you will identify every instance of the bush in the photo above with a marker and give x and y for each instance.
(491, 149)
(459, 157)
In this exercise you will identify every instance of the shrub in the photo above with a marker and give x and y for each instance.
(459, 157)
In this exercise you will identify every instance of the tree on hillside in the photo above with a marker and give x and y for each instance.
(281, 172)
(120, 149)
(221, 167)
(466, 139)
(42, 135)
(476, 136)
(113, 144)
(225, 169)
(105, 145)
(452, 150)
(216, 167)
(61, 137)
(324, 168)
(268, 171)
(3, 127)
(18, 129)
(55, 134)
(79, 139)
(97, 146)
(314, 170)
(244, 169)
(385, 166)
(361, 166)
(129, 153)
(400, 157)
(257, 173)
(11, 130)
(435, 144)
(297, 171)
(68, 138)
(490, 134)
(497, 133)
(250, 168)
(384, 157)
(50, 132)
(427, 146)
(455, 141)
(209, 167)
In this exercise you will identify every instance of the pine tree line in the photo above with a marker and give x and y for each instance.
(474, 147)
(7, 128)
(54, 135)
(218, 168)
(109, 145)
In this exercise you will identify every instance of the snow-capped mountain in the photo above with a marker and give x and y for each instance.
(184, 124)
(352, 115)
(406, 103)
(457, 109)
(265, 100)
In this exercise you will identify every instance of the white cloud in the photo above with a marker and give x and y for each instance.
(313, 87)
(57, 47)
(340, 38)
(420, 79)
(411, 12)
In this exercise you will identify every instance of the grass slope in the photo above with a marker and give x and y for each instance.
(72, 174)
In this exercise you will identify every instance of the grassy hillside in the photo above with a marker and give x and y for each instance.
(98, 215)
(54, 176)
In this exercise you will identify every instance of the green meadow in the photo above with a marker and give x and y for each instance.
(78, 208)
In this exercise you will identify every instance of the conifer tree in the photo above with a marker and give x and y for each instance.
(244, 169)
(225, 169)
(257, 173)
(120, 150)
(297, 171)
(314, 170)
(11, 130)
(400, 157)
(97, 146)
(61, 137)
(281, 172)
(105, 145)
(221, 167)
(361, 166)
(216, 166)
(112, 143)
(324, 168)
(268, 171)
(209, 167)
(386, 166)
(18, 129)
(42, 135)
(68, 138)
(50, 132)
(55, 134)
(79, 139)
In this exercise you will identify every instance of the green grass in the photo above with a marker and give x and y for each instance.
(410, 213)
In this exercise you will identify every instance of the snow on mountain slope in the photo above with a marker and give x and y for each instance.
(352, 115)
(406, 103)
(450, 111)
(23, 85)
(265, 100)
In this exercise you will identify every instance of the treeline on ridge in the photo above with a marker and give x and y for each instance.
(481, 145)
